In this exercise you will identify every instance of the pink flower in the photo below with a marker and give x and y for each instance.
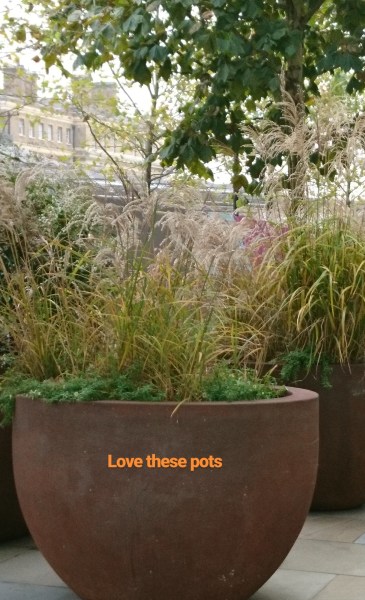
(261, 234)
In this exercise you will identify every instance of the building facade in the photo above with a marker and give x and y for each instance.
(48, 128)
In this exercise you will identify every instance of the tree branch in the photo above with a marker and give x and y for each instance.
(125, 91)
(121, 172)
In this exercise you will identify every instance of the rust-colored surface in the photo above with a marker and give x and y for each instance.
(341, 473)
(164, 533)
(12, 524)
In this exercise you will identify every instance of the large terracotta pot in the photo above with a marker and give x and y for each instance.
(341, 472)
(166, 533)
(12, 524)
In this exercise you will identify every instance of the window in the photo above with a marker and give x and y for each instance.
(21, 127)
(31, 130)
(50, 133)
(68, 136)
(41, 131)
(59, 134)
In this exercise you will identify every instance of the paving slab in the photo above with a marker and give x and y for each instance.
(29, 567)
(15, 548)
(320, 556)
(293, 585)
(333, 527)
(18, 591)
(343, 587)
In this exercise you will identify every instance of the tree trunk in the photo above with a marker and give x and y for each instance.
(236, 169)
(294, 86)
(151, 126)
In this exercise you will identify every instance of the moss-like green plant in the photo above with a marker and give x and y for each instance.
(223, 385)
(298, 363)
(226, 385)
(9, 388)
(76, 389)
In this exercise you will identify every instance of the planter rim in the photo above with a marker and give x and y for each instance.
(275, 363)
(295, 394)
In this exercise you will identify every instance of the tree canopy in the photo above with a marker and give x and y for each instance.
(233, 52)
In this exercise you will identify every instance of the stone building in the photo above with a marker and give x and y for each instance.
(48, 128)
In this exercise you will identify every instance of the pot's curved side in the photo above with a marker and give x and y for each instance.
(157, 533)
(12, 524)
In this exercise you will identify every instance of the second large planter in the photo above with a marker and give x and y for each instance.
(12, 524)
(341, 471)
(215, 528)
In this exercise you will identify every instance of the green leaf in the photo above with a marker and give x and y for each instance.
(168, 152)
(239, 181)
(256, 168)
(132, 23)
(253, 9)
(354, 85)
(166, 69)
(141, 72)
(49, 60)
(278, 34)
(198, 168)
(89, 59)
(205, 153)
(348, 62)
(274, 84)
(20, 34)
(223, 44)
(343, 60)
(108, 31)
(158, 53)
(141, 52)
(250, 105)
(223, 72)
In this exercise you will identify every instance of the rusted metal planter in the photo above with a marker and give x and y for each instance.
(341, 472)
(12, 524)
(161, 533)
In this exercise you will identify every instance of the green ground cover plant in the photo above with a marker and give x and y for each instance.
(221, 385)
(231, 385)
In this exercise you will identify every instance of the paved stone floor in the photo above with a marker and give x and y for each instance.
(326, 563)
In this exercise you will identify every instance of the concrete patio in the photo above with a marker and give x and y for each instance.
(326, 563)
